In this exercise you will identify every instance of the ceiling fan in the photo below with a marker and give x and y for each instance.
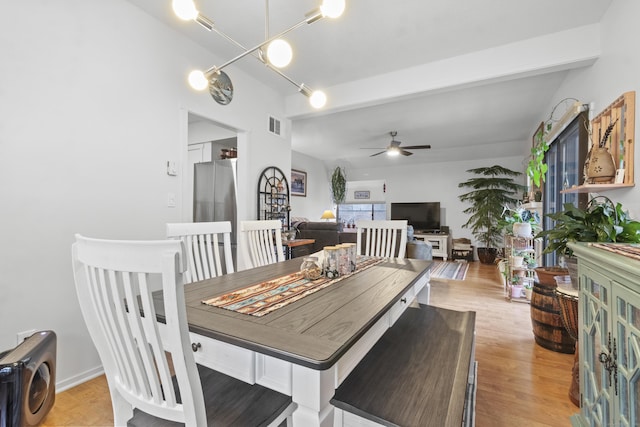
(394, 148)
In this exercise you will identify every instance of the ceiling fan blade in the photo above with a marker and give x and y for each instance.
(405, 153)
(378, 153)
(418, 147)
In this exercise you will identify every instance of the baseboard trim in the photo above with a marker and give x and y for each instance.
(79, 379)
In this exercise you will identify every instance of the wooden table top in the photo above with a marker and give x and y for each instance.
(314, 331)
(298, 242)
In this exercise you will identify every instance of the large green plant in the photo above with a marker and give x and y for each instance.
(600, 221)
(491, 189)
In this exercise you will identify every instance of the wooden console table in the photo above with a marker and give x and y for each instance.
(290, 244)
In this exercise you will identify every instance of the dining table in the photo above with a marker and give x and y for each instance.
(304, 349)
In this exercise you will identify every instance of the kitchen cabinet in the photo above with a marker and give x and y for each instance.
(609, 336)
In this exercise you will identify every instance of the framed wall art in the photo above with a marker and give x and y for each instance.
(298, 183)
(362, 195)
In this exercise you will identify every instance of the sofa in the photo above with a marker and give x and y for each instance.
(324, 233)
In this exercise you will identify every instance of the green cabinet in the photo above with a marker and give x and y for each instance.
(609, 337)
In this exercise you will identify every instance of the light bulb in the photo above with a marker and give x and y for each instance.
(332, 8)
(279, 53)
(185, 9)
(318, 99)
(198, 80)
(392, 152)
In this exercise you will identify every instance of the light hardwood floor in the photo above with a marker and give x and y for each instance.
(519, 382)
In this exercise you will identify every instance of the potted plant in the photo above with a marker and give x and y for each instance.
(528, 289)
(537, 168)
(517, 259)
(600, 221)
(519, 221)
(517, 286)
(491, 189)
(338, 185)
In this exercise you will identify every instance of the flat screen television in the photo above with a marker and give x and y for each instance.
(424, 216)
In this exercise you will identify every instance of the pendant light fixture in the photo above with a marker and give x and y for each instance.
(278, 51)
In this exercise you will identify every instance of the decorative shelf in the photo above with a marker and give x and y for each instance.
(621, 141)
(595, 188)
(273, 196)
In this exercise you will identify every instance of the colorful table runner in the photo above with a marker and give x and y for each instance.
(266, 297)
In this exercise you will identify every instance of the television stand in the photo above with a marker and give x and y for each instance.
(440, 243)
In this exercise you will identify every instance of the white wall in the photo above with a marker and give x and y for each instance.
(434, 183)
(318, 194)
(93, 104)
(615, 72)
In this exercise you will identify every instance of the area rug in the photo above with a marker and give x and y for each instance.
(449, 270)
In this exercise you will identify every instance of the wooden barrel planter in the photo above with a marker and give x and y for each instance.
(548, 330)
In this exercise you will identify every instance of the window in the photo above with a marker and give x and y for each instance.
(349, 213)
(565, 159)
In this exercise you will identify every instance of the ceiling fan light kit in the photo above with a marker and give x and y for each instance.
(394, 149)
(278, 51)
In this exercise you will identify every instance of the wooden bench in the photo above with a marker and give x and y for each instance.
(420, 373)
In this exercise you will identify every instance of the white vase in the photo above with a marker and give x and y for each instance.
(522, 229)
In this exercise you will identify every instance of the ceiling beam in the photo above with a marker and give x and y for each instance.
(570, 49)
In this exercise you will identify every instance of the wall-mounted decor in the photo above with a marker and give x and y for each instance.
(298, 183)
(362, 195)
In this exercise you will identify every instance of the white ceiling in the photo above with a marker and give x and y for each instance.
(376, 40)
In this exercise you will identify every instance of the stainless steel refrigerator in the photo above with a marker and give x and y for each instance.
(215, 190)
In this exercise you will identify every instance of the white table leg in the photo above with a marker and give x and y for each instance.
(312, 391)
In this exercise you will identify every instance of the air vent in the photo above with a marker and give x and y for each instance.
(274, 125)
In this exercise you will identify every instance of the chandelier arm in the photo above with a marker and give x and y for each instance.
(271, 67)
(215, 69)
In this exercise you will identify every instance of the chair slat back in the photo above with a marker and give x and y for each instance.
(262, 242)
(114, 287)
(202, 247)
(380, 238)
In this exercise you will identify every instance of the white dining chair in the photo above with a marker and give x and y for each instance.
(117, 302)
(382, 238)
(202, 246)
(261, 242)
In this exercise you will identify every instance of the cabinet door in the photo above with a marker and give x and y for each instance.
(627, 333)
(594, 318)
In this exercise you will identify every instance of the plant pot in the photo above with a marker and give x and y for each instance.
(527, 293)
(516, 291)
(546, 275)
(522, 229)
(487, 255)
(517, 261)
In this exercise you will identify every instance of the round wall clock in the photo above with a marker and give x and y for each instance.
(221, 88)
